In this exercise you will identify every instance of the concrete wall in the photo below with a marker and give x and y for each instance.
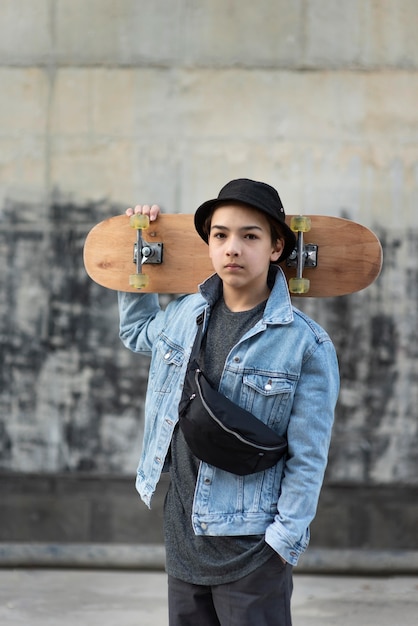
(107, 103)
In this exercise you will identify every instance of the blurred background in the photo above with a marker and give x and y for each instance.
(109, 103)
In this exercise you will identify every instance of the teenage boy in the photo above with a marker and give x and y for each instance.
(231, 541)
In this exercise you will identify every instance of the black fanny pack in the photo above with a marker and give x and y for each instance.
(220, 432)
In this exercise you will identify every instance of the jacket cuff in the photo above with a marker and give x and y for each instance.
(288, 550)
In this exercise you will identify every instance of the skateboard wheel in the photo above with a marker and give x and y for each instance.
(300, 224)
(139, 221)
(138, 281)
(299, 285)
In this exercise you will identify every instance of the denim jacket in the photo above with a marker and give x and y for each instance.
(284, 370)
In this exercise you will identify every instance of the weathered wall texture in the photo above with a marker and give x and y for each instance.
(108, 103)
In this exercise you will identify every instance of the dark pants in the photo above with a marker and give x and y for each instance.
(260, 599)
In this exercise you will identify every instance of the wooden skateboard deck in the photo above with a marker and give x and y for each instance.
(348, 256)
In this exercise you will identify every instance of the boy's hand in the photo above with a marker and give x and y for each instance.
(145, 209)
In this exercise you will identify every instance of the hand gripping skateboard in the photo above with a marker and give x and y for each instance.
(333, 256)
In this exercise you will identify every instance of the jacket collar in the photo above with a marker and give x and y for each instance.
(279, 309)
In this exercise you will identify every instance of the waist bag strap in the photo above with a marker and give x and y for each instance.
(198, 340)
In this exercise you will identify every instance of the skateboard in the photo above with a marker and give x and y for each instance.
(333, 257)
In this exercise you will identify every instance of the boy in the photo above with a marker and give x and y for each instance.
(231, 541)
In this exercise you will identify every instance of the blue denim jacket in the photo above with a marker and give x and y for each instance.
(284, 370)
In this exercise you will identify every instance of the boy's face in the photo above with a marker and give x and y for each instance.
(240, 246)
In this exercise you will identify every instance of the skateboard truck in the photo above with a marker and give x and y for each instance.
(144, 252)
(304, 255)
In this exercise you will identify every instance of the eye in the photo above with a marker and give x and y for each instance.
(251, 236)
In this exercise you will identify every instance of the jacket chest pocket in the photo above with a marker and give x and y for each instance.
(166, 366)
(268, 397)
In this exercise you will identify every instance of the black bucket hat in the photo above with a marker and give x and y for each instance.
(253, 193)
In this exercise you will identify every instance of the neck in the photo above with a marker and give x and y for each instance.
(237, 301)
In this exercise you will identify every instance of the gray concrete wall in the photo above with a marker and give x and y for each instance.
(107, 103)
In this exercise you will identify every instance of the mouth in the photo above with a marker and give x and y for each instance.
(233, 266)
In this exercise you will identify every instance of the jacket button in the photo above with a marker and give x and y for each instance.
(207, 481)
(237, 359)
(203, 526)
(167, 354)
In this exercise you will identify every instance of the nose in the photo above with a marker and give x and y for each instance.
(233, 247)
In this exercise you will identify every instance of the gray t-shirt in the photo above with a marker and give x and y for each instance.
(201, 559)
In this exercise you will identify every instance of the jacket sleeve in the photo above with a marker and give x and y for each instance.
(309, 435)
(140, 320)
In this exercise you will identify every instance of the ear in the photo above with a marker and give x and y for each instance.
(277, 250)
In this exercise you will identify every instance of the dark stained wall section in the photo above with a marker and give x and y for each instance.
(72, 396)
(376, 335)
